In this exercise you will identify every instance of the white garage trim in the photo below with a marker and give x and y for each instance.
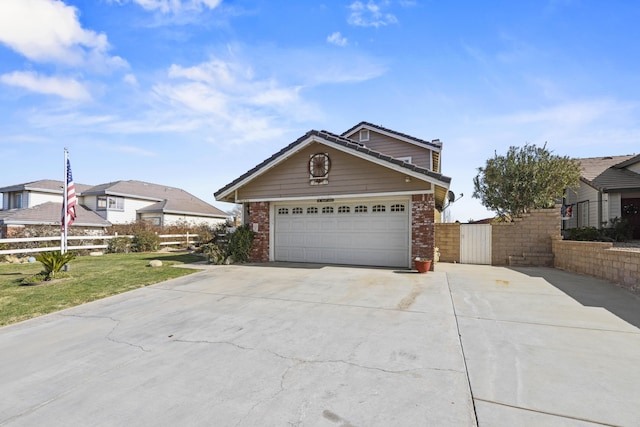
(367, 231)
(381, 196)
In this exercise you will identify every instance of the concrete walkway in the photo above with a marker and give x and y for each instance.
(308, 345)
(538, 357)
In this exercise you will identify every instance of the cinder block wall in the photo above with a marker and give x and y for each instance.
(599, 259)
(448, 241)
(530, 235)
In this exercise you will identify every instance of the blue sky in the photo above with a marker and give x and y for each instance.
(193, 93)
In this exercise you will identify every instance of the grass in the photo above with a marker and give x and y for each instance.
(91, 278)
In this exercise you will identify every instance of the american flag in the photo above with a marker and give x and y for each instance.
(70, 216)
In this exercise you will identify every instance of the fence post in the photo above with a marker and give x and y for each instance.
(187, 240)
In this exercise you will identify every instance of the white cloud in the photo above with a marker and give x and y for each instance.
(130, 79)
(225, 88)
(337, 39)
(63, 87)
(177, 6)
(128, 149)
(49, 31)
(370, 14)
(567, 114)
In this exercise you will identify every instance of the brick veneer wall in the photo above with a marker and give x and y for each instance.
(259, 221)
(529, 236)
(448, 241)
(599, 259)
(422, 226)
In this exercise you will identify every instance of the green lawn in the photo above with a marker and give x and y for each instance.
(91, 278)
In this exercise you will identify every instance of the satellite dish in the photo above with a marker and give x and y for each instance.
(451, 196)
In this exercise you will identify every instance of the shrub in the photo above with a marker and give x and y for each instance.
(583, 234)
(216, 252)
(240, 242)
(53, 262)
(145, 241)
(119, 245)
(236, 244)
(619, 230)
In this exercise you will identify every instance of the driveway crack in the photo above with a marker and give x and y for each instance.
(300, 361)
(113, 329)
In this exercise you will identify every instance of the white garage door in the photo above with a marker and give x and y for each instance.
(358, 233)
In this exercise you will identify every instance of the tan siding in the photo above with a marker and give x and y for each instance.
(348, 175)
(395, 148)
(634, 167)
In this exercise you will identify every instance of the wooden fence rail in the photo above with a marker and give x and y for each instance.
(177, 239)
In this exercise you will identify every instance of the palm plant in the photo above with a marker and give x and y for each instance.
(53, 262)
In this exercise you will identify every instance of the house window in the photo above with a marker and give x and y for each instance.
(283, 211)
(406, 159)
(297, 211)
(378, 208)
(312, 211)
(110, 203)
(360, 209)
(344, 209)
(364, 135)
(327, 210)
(152, 220)
(397, 208)
(583, 214)
(17, 201)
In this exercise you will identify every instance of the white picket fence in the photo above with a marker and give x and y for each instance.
(176, 239)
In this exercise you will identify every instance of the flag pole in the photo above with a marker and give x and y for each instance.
(65, 207)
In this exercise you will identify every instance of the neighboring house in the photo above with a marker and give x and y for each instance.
(30, 194)
(366, 197)
(609, 188)
(121, 202)
(40, 203)
(13, 221)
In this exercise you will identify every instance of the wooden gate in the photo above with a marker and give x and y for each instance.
(475, 244)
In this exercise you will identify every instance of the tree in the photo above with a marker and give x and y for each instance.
(526, 178)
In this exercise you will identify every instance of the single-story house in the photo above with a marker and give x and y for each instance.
(609, 188)
(366, 197)
(13, 221)
(40, 203)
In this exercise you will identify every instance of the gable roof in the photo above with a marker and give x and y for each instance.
(632, 161)
(43, 186)
(339, 142)
(435, 145)
(169, 199)
(609, 173)
(50, 213)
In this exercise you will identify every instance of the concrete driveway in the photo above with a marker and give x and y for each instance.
(299, 345)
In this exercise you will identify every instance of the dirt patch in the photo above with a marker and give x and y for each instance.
(408, 301)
